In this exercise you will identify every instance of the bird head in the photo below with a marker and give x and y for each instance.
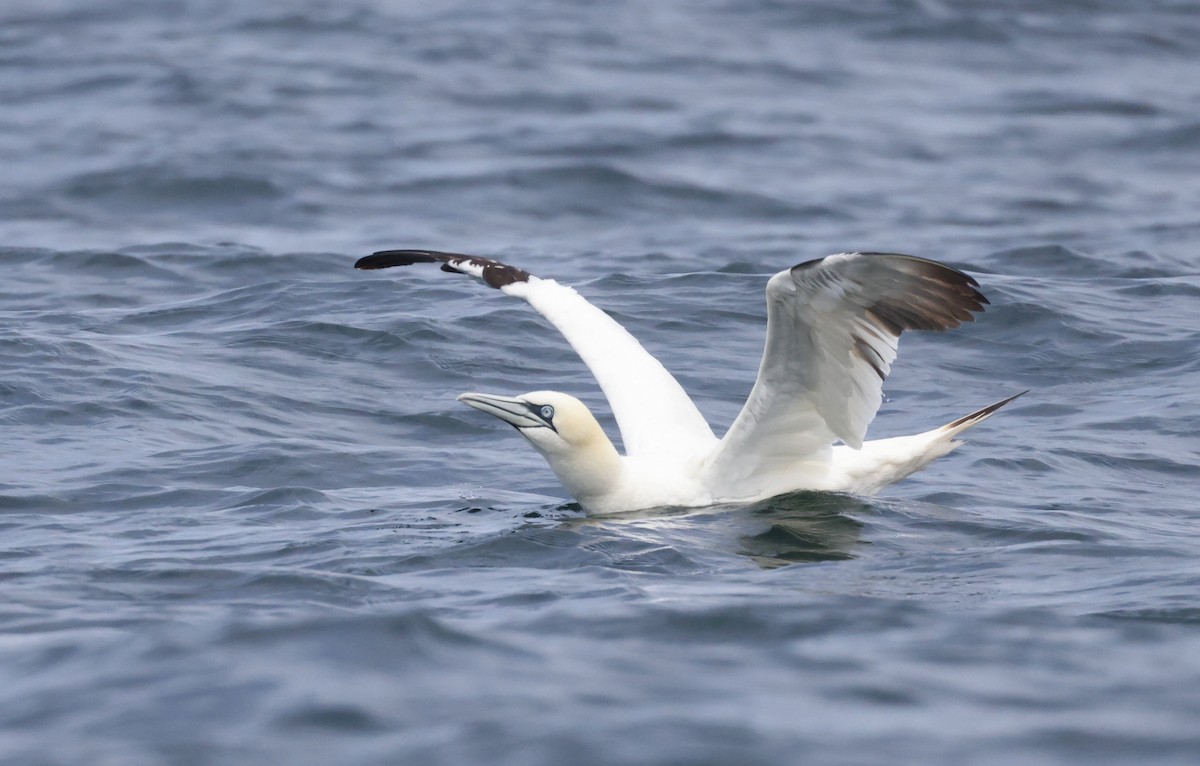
(554, 422)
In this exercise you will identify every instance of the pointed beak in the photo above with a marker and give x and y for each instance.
(515, 412)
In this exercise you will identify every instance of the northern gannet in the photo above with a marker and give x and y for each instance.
(832, 329)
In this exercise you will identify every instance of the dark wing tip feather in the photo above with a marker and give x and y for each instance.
(494, 273)
(385, 259)
(499, 274)
(936, 297)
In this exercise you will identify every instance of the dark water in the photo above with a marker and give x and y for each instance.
(244, 520)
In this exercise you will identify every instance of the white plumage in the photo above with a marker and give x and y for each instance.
(832, 330)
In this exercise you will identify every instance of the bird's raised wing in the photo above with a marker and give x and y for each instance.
(832, 329)
(654, 413)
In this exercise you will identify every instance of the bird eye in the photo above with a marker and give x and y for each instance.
(546, 411)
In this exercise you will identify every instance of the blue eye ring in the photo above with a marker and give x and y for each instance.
(546, 411)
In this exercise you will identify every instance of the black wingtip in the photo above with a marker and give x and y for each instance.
(918, 294)
(385, 259)
(494, 273)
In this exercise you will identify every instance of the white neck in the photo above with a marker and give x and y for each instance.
(588, 470)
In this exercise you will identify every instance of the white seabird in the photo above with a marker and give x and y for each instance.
(832, 329)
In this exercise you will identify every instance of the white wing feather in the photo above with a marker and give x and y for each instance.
(656, 416)
(832, 332)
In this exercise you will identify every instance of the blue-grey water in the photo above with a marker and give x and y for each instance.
(244, 521)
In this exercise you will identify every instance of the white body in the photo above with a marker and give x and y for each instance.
(604, 482)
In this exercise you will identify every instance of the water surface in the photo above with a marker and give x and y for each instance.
(245, 521)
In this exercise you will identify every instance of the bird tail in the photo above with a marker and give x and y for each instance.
(950, 430)
(883, 461)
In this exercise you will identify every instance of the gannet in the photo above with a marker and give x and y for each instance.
(832, 330)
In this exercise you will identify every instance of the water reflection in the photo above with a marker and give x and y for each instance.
(802, 527)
